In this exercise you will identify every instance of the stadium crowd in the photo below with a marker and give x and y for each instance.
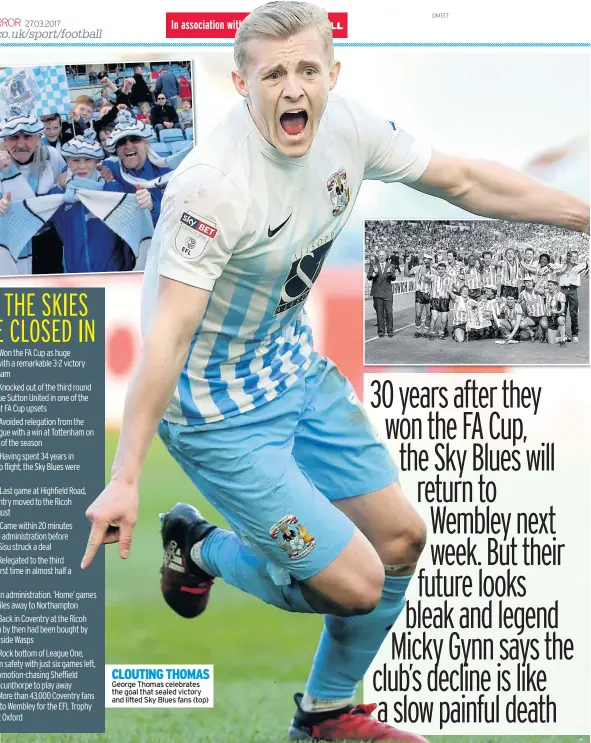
(112, 143)
(507, 281)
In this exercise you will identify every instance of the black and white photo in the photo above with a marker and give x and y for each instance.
(475, 292)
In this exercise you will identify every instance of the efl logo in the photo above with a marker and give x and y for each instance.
(199, 226)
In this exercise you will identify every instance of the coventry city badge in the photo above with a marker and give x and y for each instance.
(19, 91)
(338, 190)
(292, 537)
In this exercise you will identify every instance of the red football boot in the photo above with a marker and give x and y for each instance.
(350, 723)
(185, 586)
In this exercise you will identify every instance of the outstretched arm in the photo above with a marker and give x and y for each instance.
(178, 312)
(493, 190)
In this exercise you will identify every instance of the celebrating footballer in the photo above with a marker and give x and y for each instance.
(270, 432)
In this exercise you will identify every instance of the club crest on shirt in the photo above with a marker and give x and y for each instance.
(292, 537)
(193, 235)
(338, 190)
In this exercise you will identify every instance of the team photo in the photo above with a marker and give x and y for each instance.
(447, 292)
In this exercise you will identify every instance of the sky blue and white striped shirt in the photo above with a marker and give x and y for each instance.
(253, 227)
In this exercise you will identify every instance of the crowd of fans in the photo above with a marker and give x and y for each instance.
(507, 281)
(164, 108)
(107, 143)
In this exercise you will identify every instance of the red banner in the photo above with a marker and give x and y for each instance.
(225, 25)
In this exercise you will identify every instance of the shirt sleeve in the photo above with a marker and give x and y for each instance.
(202, 222)
(391, 153)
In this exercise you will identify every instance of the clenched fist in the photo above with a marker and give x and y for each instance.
(106, 173)
(144, 198)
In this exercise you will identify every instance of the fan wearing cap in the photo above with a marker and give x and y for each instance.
(89, 245)
(134, 162)
(29, 168)
(555, 312)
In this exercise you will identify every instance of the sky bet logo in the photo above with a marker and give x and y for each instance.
(199, 226)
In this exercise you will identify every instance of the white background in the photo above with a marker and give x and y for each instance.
(370, 21)
(563, 417)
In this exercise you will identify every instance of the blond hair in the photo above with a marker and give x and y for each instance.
(279, 19)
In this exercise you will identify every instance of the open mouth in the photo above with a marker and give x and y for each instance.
(129, 155)
(293, 123)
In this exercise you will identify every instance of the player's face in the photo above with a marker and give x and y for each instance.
(543, 261)
(82, 166)
(287, 83)
(510, 302)
(529, 255)
(510, 254)
(441, 270)
(464, 293)
(132, 151)
(450, 258)
(21, 147)
(53, 130)
(487, 259)
(529, 285)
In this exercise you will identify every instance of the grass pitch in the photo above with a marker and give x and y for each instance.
(261, 655)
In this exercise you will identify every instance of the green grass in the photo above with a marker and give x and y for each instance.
(261, 655)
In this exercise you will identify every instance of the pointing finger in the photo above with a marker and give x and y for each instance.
(95, 539)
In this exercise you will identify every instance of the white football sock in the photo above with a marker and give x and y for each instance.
(311, 704)
(195, 555)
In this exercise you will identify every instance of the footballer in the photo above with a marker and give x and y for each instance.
(270, 432)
